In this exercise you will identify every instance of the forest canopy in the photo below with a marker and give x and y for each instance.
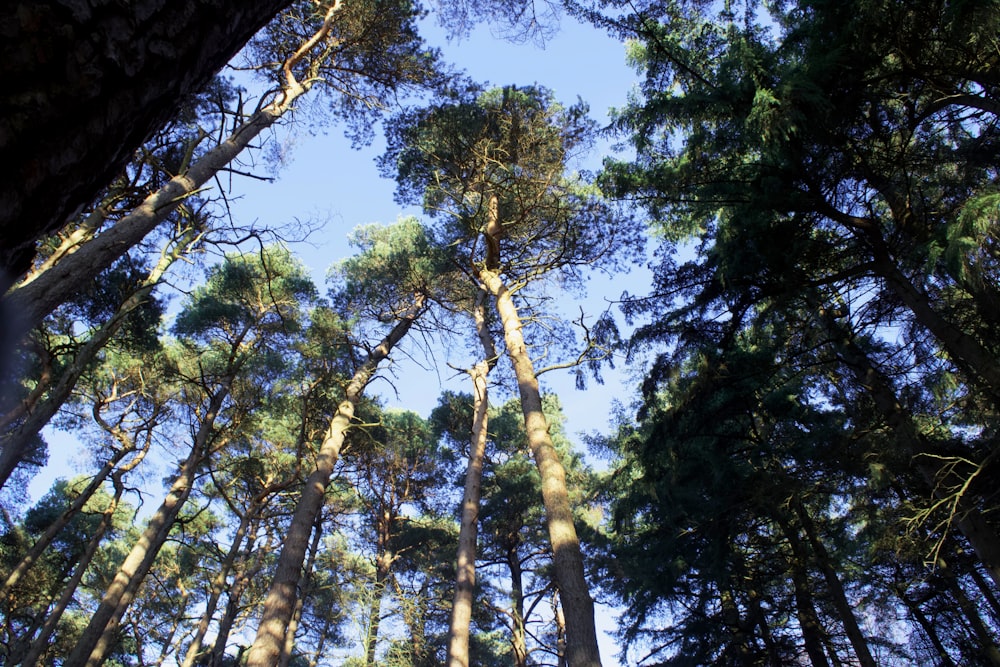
(798, 456)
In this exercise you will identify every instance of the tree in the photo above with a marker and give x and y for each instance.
(238, 322)
(494, 168)
(404, 283)
(365, 54)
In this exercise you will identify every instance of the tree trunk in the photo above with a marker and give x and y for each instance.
(53, 616)
(836, 589)
(929, 630)
(293, 625)
(95, 642)
(987, 643)
(33, 300)
(235, 595)
(809, 623)
(465, 577)
(53, 529)
(85, 84)
(16, 444)
(218, 585)
(519, 635)
(375, 608)
(280, 603)
(979, 366)
(581, 633)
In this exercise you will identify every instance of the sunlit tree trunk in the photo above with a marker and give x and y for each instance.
(97, 638)
(581, 633)
(38, 646)
(235, 595)
(293, 625)
(280, 603)
(53, 529)
(14, 445)
(194, 649)
(465, 577)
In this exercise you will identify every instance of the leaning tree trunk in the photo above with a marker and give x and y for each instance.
(581, 633)
(29, 303)
(465, 576)
(52, 530)
(85, 84)
(54, 615)
(280, 603)
(96, 640)
(194, 649)
(805, 608)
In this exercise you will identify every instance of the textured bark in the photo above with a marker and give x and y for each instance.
(85, 83)
(280, 603)
(465, 577)
(97, 638)
(581, 633)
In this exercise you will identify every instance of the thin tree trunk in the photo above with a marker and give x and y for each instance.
(54, 615)
(53, 529)
(987, 642)
(280, 603)
(235, 595)
(929, 630)
(375, 610)
(518, 639)
(32, 301)
(166, 644)
(976, 362)
(16, 444)
(218, 585)
(581, 634)
(739, 648)
(95, 642)
(465, 577)
(809, 623)
(837, 594)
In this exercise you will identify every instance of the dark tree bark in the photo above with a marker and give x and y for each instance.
(85, 83)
